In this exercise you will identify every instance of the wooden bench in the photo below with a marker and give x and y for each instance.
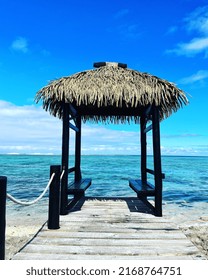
(79, 188)
(142, 189)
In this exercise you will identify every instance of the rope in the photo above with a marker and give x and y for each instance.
(62, 174)
(26, 203)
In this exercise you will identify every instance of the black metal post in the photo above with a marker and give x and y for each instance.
(157, 161)
(54, 198)
(3, 186)
(143, 141)
(78, 151)
(65, 159)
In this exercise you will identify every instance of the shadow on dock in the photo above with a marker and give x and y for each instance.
(133, 203)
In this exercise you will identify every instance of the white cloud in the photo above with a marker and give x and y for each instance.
(45, 53)
(172, 30)
(126, 28)
(185, 151)
(121, 13)
(129, 31)
(29, 129)
(102, 140)
(198, 20)
(196, 23)
(195, 46)
(20, 44)
(199, 76)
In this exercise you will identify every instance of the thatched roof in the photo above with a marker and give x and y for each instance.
(111, 92)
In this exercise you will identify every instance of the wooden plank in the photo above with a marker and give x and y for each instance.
(38, 256)
(110, 218)
(142, 234)
(115, 229)
(112, 242)
(118, 227)
(110, 250)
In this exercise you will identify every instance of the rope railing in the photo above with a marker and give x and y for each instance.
(27, 203)
(62, 174)
(54, 208)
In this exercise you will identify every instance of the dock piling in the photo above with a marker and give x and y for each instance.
(54, 198)
(3, 186)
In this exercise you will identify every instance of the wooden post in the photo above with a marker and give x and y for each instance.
(157, 161)
(3, 186)
(54, 195)
(78, 151)
(65, 159)
(143, 141)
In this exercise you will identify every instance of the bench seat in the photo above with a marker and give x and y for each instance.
(79, 187)
(142, 189)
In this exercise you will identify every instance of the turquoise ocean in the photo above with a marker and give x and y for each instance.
(185, 183)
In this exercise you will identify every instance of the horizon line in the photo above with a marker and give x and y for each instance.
(50, 154)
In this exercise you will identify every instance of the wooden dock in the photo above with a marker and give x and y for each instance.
(105, 229)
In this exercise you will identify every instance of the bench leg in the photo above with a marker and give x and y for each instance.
(146, 202)
(74, 200)
(158, 207)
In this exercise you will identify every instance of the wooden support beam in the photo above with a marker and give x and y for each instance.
(72, 169)
(65, 159)
(157, 161)
(150, 171)
(143, 141)
(78, 151)
(148, 128)
(72, 110)
(148, 110)
(73, 127)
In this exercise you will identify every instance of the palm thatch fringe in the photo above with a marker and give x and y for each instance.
(114, 86)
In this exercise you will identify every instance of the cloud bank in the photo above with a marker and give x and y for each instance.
(31, 130)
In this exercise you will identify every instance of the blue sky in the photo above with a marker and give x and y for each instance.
(44, 40)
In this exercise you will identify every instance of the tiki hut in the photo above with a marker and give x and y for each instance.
(112, 93)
